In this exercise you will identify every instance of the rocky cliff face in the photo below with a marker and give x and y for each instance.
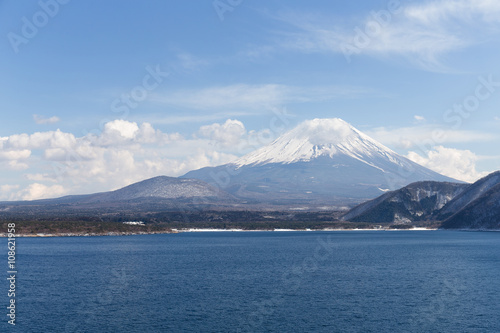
(455, 206)
(416, 202)
(480, 206)
(474, 192)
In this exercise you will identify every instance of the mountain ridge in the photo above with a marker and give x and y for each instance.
(308, 141)
(320, 161)
(460, 206)
(415, 202)
(321, 164)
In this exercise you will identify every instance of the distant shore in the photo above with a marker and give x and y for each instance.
(278, 230)
(92, 234)
(188, 230)
(79, 228)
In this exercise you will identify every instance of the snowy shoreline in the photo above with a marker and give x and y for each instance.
(176, 231)
(283, 230)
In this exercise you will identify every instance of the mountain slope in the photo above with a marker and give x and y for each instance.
(320, 162)
(475, 191)
(155, 194)
(454, 206)
(476, 208)
(323, 138)
(161, 187)
(415, 202)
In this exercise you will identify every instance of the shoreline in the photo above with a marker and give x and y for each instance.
(291, 230)
(71, 234)
(200, 230)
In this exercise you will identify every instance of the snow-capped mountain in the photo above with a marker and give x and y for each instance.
(319, 138)
(321, 161)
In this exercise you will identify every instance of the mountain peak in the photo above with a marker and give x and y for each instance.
(325, 131)
(316, 138)
(320, 161)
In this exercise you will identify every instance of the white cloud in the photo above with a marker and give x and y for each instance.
(232, 137)
(455, 163)
(191, 62)
(125, 152)
(16, 165)
(55, 154)
(236, 96)
(14, 159)
(147, 134)
(41, 120)
(6, 192)
(33, 191)
(444, 10)
(419, 118)
(426, 136)
(227, 134)
(245, 96)
(420, 32)
(14, 154)
(123, 128)
(51, 139)
(38, 177)
(321, 131)
(8, 188)
(39, 191)
(119, 132)
(194, 118)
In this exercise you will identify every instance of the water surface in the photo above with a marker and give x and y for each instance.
(359, 281)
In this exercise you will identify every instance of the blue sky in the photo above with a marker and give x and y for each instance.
(97, 95)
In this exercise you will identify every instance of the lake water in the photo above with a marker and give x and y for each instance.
(359, 281)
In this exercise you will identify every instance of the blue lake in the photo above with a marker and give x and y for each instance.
(353, 281)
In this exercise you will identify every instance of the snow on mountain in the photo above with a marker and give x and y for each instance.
(474, 192)
(416, 202)
(321, 161)
(454, 206)
(160, 187)
(476, 208)
(320, 137)
(150, 196)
